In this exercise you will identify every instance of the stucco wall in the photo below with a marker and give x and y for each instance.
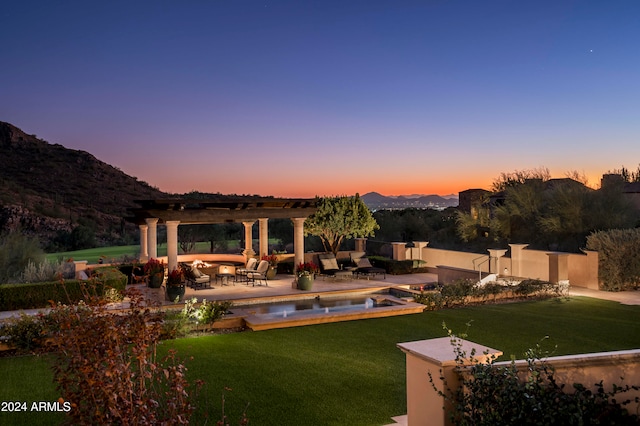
(436, 356)
(583, 270)
(455, 259)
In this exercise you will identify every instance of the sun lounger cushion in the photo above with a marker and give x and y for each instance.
(364, 263)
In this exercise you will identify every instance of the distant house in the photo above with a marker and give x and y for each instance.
(631, 190)
(472, 200)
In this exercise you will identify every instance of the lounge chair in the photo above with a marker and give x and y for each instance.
(194, 278)
(363, 266)
(259, 274)
(241, 273)
(329, 267)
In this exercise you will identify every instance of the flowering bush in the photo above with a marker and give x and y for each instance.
(307, 268)
(175, 277)
(154, 266)
(272, 259)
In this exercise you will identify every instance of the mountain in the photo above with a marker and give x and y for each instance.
(48, 190)
(376, 201)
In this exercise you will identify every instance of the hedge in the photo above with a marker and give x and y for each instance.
(38, 295)
(618, 260)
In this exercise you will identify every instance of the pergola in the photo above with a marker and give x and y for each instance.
(246, 210)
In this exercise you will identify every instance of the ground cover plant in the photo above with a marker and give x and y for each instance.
(351, 372)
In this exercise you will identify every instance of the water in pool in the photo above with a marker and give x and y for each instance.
(312, 306)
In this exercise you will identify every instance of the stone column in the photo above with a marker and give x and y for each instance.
(298, 240)
(361, 244)
(248, 240)
(516, 259)
(558, 268)
(172, 244)
(263, 230)
(435, 357)
(144, 248)
(399, 251)
(495, 264)
(152, 236)
(419, 248)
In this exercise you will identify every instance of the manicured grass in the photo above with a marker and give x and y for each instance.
(115, 253)
(352, 372)
(108, 253)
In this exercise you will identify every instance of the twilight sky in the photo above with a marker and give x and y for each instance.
(304, 98)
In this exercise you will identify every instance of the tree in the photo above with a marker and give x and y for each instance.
(338, 218)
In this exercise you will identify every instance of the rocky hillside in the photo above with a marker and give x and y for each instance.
(48, 190)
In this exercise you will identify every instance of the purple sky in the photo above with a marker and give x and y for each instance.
(304, 98)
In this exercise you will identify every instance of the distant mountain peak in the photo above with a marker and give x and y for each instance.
(377, 201)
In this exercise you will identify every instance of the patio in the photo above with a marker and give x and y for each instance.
(282, 288)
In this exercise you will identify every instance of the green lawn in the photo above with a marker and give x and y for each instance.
(116, 253)
(349, 373)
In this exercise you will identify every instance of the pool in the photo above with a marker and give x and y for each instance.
(323, 309)
(319, 305)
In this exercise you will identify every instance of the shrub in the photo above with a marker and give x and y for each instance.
(110, 277)
(208, 313)
(618, 262)
(106, 367)
(40, 295)
(42, 271)
(16, 251)
(532, 287)
(457, 292)
(24, 332)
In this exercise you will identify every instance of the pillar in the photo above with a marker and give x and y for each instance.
(399, 251)
(516, 259)
(298, 240)
(172, 244)
(417, 250)
(558, 268)
(495, 264)
(435, 357)
(248, 240)
(263, 235)
(144, 248)
(361, 244)
(152, 236)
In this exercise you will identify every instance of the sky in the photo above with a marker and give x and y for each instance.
(306, 98)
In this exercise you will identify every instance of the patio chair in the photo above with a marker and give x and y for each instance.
(329, 267)
(259, 274)
(194, 278)
(249, 267)
(363, 266)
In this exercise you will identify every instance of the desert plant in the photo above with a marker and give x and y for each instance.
(16, 251)
(45, 270)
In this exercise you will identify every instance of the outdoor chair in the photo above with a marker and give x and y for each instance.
(363, 266)
(249, 267)
(260, 274)
(329, 267)
(194, 278)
